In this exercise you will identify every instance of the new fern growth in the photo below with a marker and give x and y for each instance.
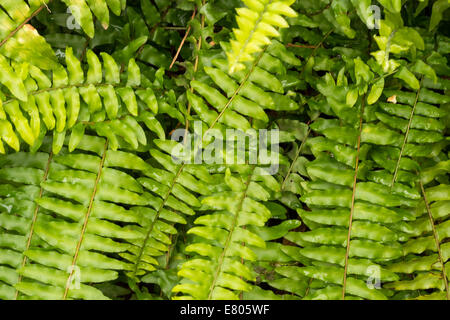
(257, 25)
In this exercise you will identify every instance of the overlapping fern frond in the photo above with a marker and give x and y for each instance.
(363, 176)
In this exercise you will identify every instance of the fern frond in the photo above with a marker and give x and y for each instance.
(295, 133)
(100, 99)
(276, 255)
(245, 93)
(382, 206)
(425, 250)
(270, 263)
(196, 178)
(338, 187)
(215, 273)
(257, 23)
(81, 198)
(90, 196)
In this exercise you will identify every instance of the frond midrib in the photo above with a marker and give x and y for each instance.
(35, 214)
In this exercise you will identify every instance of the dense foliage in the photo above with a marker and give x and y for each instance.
(93, 204)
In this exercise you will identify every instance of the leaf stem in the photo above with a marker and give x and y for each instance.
(86, 219)
(352, 208)
(33, 221)
(405, 140)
